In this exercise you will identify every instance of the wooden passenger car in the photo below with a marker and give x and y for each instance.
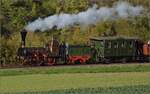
(109, 49)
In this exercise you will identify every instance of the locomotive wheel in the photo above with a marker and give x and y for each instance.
(97, 59)
(51, 61)
(77, 62)
(24, 62)
(107, 61)
(33, 63)
(124, 60)
(90, 61)
(102, 60)
(39, 63)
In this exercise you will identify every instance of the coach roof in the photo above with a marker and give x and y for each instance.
(114, 38)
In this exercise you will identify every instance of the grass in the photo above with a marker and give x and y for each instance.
(77, 69)
(140, 89)
(46, 82)
(88, 79)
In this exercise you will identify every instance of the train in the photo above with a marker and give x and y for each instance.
(105, 50)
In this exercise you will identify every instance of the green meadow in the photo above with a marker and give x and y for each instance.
(140, 89)
(44, 82)
(113, 68)
(88, 79)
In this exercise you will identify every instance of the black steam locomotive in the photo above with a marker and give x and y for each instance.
(100, 50)
(48, 55)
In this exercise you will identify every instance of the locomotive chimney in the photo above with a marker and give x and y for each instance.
(23, 37)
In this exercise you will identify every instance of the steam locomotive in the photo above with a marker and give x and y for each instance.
(100, 50)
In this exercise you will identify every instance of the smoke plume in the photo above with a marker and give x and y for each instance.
(90, 16)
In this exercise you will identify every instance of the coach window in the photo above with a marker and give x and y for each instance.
(115, 45)
(109, 44)
(102, 42)
(131, 44)
(123, 44)
(106, 45)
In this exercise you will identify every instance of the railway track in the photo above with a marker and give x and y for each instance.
(72, 65)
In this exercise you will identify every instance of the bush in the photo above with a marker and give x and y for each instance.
(7, 52)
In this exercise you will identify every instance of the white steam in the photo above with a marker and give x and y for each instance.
(90, 16)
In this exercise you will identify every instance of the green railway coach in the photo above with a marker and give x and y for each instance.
(108, 49)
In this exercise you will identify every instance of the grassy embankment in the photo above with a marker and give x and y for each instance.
(77, 69)
(90, 79)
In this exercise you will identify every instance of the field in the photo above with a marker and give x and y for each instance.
(113, 68)
(89, 79)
